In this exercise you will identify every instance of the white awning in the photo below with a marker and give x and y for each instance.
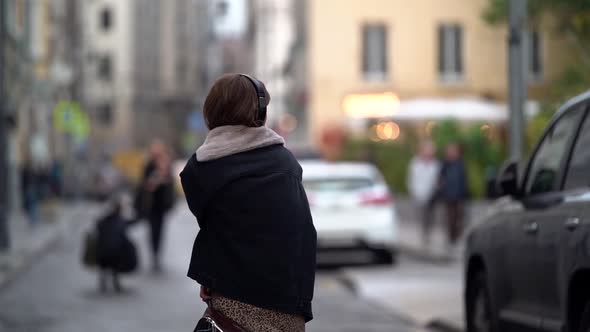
(464, 109)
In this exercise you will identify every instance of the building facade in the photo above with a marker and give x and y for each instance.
(143, 68)
(410, 50)
(182, 66)
(108, 73)
(274, 36)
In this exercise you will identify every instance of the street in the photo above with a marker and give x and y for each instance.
(58, 295)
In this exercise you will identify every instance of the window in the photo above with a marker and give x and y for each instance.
(450, 52)
(549, 157)
(106, 19)
(535, 56)
(578, 175)
(105, 68)
(374, 52)
(105, 114)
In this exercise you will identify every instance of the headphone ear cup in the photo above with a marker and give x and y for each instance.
(262, 115)
(261, 94)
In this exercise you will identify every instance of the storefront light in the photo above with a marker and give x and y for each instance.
(388, 130)
(371, 105)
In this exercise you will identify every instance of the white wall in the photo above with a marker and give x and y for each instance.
(117, 42)
(235, 21)
(274, 35)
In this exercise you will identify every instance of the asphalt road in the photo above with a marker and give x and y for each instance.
(57, 294)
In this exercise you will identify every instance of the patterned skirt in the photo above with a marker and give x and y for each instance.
(255, 319)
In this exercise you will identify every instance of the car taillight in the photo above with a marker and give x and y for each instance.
(376, 199)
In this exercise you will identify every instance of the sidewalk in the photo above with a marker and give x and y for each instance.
(427, 295)
(57, 294)
(410, 233)
(27, 242)
(336, 309)
(427, 285)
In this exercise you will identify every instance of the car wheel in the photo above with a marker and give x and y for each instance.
(385, 257)
(479, 312)
(585, 323)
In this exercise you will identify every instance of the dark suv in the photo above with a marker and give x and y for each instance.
(528, 265)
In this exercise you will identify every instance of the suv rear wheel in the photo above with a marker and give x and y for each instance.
(385, 256)
(479, 313)
(585, 323)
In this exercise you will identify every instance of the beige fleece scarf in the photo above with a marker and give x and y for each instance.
(227, 140)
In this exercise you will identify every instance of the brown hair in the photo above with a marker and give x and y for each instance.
(232, 100)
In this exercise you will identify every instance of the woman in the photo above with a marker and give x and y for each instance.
(156, 196)
(255, 252)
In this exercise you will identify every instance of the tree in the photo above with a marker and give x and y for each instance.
(572, 21)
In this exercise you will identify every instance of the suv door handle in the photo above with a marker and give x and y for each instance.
(572, 223)
(531, 227)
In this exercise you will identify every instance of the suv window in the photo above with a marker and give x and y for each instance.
(578, 175)
(549, 157)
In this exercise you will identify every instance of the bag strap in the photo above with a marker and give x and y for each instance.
(224, 323)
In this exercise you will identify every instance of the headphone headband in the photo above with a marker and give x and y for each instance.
(261, 95)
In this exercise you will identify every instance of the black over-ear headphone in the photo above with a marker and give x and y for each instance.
(261, 96)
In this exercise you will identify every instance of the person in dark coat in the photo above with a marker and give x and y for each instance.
(453, 191)
(156, 196)
(255, 253)
(31, 192)
(115, 251)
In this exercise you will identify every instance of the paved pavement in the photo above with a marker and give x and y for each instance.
(424, 293)
(426, 286)
(57, 294)
(27, 242)
(437, 251)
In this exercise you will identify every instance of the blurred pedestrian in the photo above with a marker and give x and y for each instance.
(156, 196)
(108, 179)
(255, 252)
(116, 253)
(31, 191)
(454, 191)
(57, 178)
(423, 184)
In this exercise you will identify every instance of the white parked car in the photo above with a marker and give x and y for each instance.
(353, 211)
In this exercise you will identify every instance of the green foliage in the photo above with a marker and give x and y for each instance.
(445, 133)
(391, 158)
(569, 13)
(482, 154)
(536, 127)
(497, 10)
(573, 81)
(572, 23)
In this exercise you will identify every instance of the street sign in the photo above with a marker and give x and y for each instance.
(69, 118)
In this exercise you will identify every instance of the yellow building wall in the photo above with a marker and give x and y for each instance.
(335, 53)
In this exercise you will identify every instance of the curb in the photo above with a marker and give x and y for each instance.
(420, 255)
(11, 265)
(437, 324)
(349, 285)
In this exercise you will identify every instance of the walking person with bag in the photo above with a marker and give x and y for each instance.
(115, 252)
(156, 197)
(255, 254)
